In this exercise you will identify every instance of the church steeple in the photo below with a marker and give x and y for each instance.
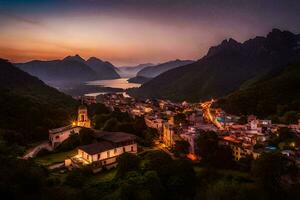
(83, 119)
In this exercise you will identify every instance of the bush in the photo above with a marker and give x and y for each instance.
(127, 162)
(78, 177)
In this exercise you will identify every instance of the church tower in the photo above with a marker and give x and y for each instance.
(83, 119)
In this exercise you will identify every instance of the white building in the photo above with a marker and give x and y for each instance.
(58, 135)
(104, 153)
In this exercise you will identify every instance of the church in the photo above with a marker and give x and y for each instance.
(58, 135)
(102, 152)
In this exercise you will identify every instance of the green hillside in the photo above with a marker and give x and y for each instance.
(275, 95)
(28, 107)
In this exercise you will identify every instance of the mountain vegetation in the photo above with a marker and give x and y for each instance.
(28, 107)
(276, 96)
(226, 68)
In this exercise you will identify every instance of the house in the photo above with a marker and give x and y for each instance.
(154, 122)
(168, 135)
(235, 145)
(103, 153)
(191, 136)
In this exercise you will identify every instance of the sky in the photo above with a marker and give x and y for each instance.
(130, 32)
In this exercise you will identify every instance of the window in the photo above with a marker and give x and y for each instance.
(115, 151)
(87, 157)
(123, 149)
(108, 154)
(57, 137)
(99, 155)
(131, 148)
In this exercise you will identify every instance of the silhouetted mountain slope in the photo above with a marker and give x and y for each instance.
(131, 71)
(153, 71)
(70, 69)
(30, 107)
(278, 93)
(104, 69)
(59, 70)
(225, 68)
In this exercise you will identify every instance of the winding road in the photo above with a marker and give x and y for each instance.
(31, 153)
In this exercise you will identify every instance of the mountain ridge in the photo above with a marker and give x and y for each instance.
(153, 71)
(224, 69)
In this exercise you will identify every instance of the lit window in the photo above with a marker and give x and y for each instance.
(115, 151)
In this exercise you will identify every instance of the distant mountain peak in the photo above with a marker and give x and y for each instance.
(94, 59)
(74, 58)
(225, 46)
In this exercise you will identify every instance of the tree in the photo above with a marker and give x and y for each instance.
(136, 186)
(207, 145)
(111, 125)
(71, 143)
(86, 136)
(231, 190)
(180, 181)
(127, 162)
(99, 120)
(269, 171)
(77, 177)
(98, 109)
(158, 161)
(181, 147)
(180, 118)
(223, 158)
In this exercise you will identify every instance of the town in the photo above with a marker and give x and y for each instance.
(179, 126)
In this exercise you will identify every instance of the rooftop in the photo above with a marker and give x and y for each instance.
(61, 129)
(96, 148)
(114, 137)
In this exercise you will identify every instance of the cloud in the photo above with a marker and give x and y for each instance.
(18, 18)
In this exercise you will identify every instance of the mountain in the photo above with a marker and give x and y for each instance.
(104, 69)
(67, 69)
(153, 71)
(277, 94)
(131, 71)
(225, 68)
(28, 107)
(70, 69)
(75, 58)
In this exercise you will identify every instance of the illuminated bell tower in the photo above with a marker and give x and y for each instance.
(83, 119)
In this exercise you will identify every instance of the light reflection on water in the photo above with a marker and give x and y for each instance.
(114, 83)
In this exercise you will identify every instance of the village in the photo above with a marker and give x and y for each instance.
(187, 121)
(175, 123)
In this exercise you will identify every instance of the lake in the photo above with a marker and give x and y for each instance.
(114, 83)
(121, 83)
